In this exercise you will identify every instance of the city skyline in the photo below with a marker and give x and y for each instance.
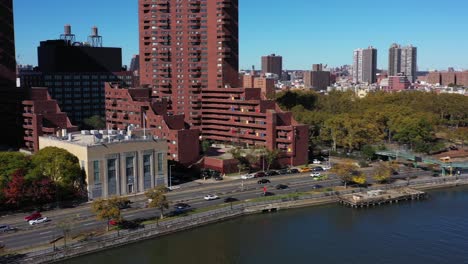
(45, 20)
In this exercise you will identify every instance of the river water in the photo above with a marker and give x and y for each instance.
(430, 231)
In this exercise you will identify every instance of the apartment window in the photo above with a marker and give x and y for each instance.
(96, 169)
(147, 171)
(112, 176)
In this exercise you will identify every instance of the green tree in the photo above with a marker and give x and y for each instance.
(269, 156)
(345, 172)
(95, 122)
(57, 164)
(10, 163)
(158, 199)
(383, 172)
(107, 209)
(368, 152)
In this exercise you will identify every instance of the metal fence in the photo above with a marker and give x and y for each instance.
(189, 221)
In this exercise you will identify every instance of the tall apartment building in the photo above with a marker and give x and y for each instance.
(403, 60)
(10, 95)
(365, 65)
(272, 64)
(186, 47)
(75, 73)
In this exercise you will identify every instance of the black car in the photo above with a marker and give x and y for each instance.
(283, 171)
(271, 173)
(281, 187)
(317, 169)
(267, 194)
(6, 228)
(294, 171)
(218, 178)
(317, 186)
(263, 181)
(181, 206)
(230, 200)
(259, 174)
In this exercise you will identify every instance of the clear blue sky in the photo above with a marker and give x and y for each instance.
(302, 31)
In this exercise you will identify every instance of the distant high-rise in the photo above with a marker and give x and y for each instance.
(402, 60)
(272, 64)
(365, 65)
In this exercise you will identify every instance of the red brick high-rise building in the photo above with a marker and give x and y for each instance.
(186, 47)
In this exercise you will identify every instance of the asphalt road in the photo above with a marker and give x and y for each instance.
(85, 220)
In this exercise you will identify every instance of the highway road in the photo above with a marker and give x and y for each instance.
(85, 220)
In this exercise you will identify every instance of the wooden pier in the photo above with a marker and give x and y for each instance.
(381, 197)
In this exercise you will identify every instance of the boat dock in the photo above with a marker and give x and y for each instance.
(380, 197)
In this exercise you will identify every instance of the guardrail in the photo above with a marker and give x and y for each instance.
(122, 237)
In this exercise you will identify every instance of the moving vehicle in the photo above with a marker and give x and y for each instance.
(317, 169)
(305, 169)
(281, 186)
(316, 161)
(6, 228)
(181, 206)
(210, 197)
(230, 200)
(263, 181)
(283, 171)
(267, 194)
(113, 222)
(325, 168)
(317, 186)
(247, 176)
(315, 174)
(38, 221)
(259, 174)
(218, 178)
(33, 216)
(294, 171)
(271, 173)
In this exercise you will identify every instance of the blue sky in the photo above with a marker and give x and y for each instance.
(302, 31)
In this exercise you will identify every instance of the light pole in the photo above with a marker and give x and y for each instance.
(170, 176)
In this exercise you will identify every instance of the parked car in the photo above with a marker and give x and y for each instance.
(210, 197)
(305, 169)
(318, 169)
(283, 171)
(181, 206)
(316, 161)
(317, 186)
(230, 200)
(294, 171)
(281, 187)
(263, 181)
(271, 173)
(6, 228)
(325, 168)
(248, 176)
(218, 178)
(38, 221)
(33, 216)
(259, 174)
(315, 174)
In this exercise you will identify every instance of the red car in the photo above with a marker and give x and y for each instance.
(113, 222)
(33, 216)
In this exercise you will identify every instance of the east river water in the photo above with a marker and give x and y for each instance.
(429, 231)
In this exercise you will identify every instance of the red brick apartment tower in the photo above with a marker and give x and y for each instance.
(186, 47)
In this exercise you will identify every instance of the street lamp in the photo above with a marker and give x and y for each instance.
(170, 176)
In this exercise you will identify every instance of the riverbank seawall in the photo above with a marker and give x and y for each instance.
(123, 237)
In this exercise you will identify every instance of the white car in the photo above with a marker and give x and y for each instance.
(326, 168)
(38, 220)
(210, 197)
(316, 161)
(315, 174)
(248, 176)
